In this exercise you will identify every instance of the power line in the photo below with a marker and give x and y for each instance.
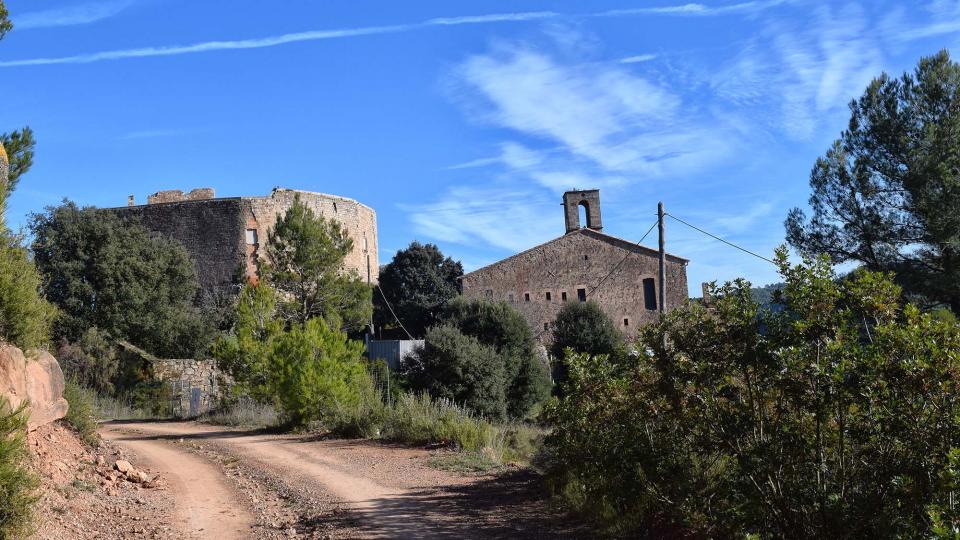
(387, 302)
(623, 260)
(715, 237)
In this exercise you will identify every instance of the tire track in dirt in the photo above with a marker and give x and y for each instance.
(205, 504)
(383, 511)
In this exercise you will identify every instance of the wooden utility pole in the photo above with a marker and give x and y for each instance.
(663, 260)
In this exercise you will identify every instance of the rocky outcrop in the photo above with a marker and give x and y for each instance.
(37, 379)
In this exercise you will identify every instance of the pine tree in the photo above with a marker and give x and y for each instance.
(887, 193)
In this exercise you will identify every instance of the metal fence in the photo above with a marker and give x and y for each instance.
(393, 351)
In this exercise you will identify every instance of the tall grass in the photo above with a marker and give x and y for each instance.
(118, 408)
(419, 419)
(244, 411)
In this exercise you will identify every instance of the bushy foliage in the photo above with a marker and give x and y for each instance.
(585, 328)
(483, 356)
(5, 24)
(307, 371)
(25, 317)
(93, 362)
(19, 146)
(306, 264)
(81, 414)
(836, 417)
(457, 367)
(17, 481)
(418, 283)
(112, 274)
(313, 370)
(245, 353)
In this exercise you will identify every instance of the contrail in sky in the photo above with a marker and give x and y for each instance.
(317, 35)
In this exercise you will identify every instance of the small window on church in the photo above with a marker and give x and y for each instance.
(582, 295)
(549, 298)
(586, 257)
(251, 237)
(546, 326)
(563, 296)
(626, 322)
(526, 297)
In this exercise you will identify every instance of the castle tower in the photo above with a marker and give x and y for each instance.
(590, 200)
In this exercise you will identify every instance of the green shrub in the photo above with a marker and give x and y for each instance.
(25, 317)
(80, 415)
(499, 325)
(17, 481)
(836, 417)
(245, 354)
(455, 367)
(482, 356)
(93, 362)
(584, 328)
(314, 370)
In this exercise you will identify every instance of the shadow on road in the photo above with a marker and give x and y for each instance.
(508, 505)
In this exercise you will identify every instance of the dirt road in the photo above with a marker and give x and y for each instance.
(334, 488)
(204, 502)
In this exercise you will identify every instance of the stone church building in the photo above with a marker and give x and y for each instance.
(585, 263)
(229, 234)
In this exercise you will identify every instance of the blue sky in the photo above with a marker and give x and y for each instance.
(461, 123)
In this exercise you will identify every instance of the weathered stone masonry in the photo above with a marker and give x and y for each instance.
(568, 269)
(227, 234)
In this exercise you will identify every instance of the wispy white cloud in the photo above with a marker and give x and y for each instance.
(696, 9)
(315, 35)
(496, 17)
(608, 122)
(638, 59)
(804, 73)
(509, 219)
(82, 13)
(742, 222)
(589, 111)
(208, 46)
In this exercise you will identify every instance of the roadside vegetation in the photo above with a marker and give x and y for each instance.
(81, 414)
(25, 318)
(835, 417)
(17, 482)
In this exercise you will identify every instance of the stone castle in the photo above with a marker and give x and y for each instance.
(225, 235)
(585, 263)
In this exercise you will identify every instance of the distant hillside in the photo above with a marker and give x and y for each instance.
(764, 295)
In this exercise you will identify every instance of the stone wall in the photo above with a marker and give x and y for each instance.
(175, 195)
(358, 220)
(537, 280)
(194, 384)
(215, 231)
(211, 230)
